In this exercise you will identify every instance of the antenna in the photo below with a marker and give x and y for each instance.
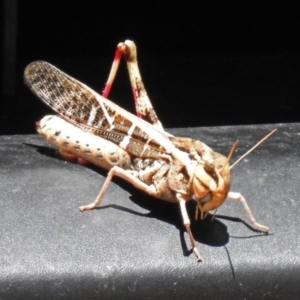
(233, 147)
(255, 146)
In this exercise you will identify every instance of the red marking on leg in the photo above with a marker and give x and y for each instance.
(72, 158)
(82, 161)
(116, 61)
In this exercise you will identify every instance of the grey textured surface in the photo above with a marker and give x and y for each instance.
(134, 246)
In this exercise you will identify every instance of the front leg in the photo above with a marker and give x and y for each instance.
(187, 224)
(130, 176)
(255, 224)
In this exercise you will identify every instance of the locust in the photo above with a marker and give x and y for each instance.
(91, 128)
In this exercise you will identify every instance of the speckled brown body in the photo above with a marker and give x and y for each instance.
(136, 149)
(105, 154)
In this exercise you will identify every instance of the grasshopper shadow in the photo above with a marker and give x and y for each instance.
(54, 153)
(45, 150)
(210, 232)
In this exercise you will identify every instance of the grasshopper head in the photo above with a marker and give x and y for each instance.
(211, 182)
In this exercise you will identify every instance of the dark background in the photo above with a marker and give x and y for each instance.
(203, 63)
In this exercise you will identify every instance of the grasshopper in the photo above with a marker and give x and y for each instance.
(136, 148)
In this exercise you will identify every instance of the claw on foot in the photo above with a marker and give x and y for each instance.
(261, 228)
(197, 254)
(87, 207)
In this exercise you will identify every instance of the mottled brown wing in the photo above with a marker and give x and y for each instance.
(86, 109)
(67, 96)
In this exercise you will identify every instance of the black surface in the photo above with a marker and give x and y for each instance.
(193, 91)
(208, 63)
(134, 247)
